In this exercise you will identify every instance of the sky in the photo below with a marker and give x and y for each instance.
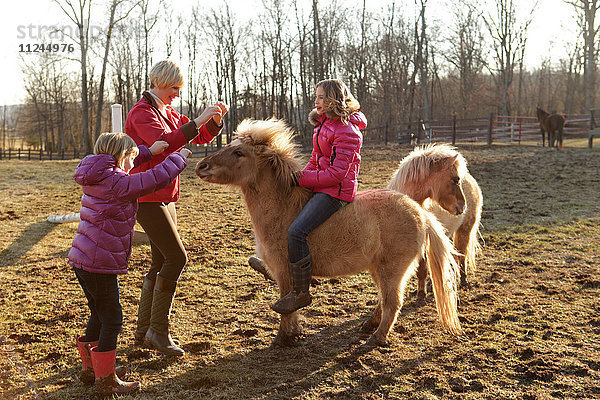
(20, 22)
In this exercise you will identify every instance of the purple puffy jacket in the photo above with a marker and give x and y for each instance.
(109, 206)
(335, 160)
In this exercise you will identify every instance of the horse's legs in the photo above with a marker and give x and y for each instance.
(543, 138)
(373, 321)
(422, 277)
(289, 327)
(391, 300)
(461, 243)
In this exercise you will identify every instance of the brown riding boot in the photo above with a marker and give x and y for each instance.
(291, 302)
(158, 335)
(301, 272)
(86, 375)
(107, 381)
(144, 310)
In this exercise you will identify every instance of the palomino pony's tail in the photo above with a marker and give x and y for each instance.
(444, 272)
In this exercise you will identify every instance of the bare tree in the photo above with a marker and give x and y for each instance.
(466, 50)
(509, 37)
(587, 11)
(112, 21)
(79, 12)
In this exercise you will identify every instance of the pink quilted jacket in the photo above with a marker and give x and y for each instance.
(335, 160)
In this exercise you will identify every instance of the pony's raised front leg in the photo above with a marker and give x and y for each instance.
(422, 278)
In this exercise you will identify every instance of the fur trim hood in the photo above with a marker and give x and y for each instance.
(358, 118)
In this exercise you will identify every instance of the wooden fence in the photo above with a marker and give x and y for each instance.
(492, 129)
(488, 130)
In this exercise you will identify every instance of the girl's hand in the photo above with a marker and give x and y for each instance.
(208, 113)
(158, 147)
(224, 108)
(185, 152)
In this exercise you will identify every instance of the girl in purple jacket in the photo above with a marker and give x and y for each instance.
(102, 245)
(331, 173)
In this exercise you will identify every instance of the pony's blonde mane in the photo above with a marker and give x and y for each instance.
(273, 142)
(418, 165)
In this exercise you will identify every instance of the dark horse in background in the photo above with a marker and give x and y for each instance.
(553, 125)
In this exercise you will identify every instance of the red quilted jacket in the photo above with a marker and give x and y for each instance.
(145, 124)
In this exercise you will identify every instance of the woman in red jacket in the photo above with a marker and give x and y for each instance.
(331, 173)
(151, 119)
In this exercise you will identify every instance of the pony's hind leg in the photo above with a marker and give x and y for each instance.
(390, 302)
(369, 326)
(373, 321)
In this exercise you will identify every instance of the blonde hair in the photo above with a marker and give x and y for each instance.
(165, 74)
(116, 144)
(339, 102)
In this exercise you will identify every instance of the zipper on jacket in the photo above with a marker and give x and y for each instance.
(340, 189)
(319, 131)
(332, 156)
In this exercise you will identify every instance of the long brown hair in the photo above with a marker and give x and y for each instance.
(339, 101)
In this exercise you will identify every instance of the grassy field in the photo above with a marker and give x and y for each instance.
(531, 317)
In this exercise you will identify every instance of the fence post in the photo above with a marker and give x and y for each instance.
(490, 128)
(385, 134)
(520, 128)
(40, 153)
(453, 128)
(9, 153)
(19, 154)
(29, 154)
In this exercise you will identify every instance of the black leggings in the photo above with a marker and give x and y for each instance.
(159, 221)
(106, 314)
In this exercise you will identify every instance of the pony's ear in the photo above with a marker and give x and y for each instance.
(444, 163)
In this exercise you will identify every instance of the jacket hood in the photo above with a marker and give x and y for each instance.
(358, 119)
(94, 168)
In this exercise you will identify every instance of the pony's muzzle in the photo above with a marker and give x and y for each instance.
(202, 169)
(460, 207)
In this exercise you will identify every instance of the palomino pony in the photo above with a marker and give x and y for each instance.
(382, 231)
(421, 175)
(553, 125)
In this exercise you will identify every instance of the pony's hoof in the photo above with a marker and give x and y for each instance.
(259, 266)
(283, 340)
(374, 342)
(366, 329)
(421, 301)
(464, 282)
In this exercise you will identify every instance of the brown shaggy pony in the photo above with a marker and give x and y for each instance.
(418, 175)
(382, 231)
(553, 125)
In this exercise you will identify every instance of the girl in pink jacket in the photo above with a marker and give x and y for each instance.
(331, 173)
(102, 246)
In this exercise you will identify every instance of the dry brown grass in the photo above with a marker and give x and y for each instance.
(532, 318)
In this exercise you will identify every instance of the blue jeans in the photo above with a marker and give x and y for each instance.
(106, 319)
(316, 211)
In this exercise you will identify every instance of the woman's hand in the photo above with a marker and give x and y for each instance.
(223, 107)
(158, 147)
(185, 152)
(208, 113)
